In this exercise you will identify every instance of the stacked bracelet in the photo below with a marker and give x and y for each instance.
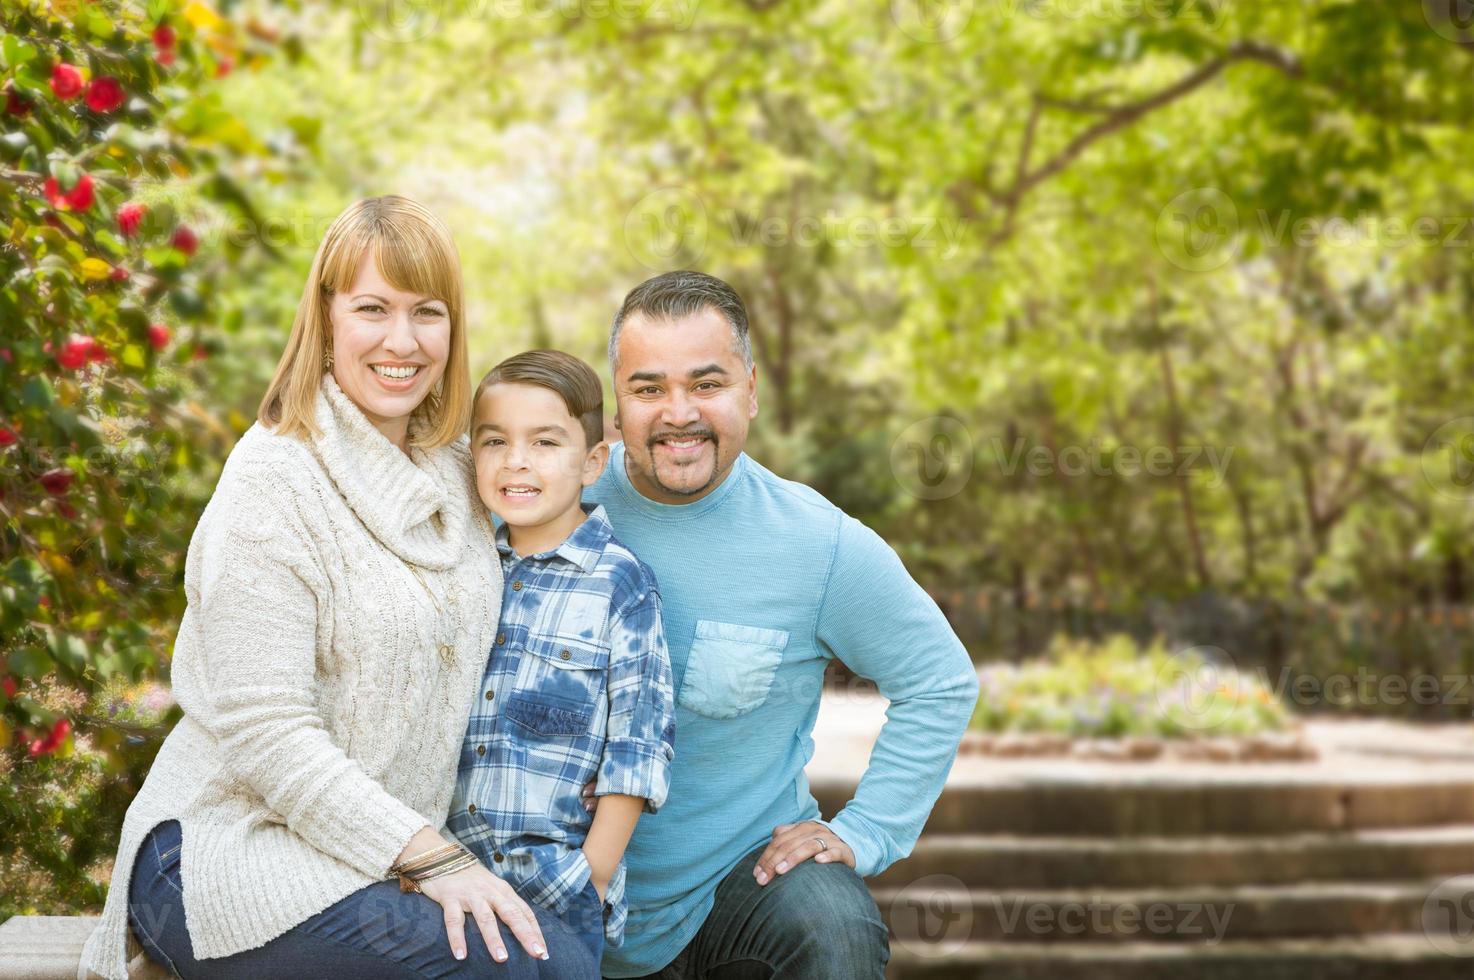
(432, 864)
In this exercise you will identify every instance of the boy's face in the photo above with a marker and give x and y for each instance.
(531, 460)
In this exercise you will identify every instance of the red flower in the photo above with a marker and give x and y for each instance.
(105, 94)
(57, 481)
(9, 685)
(79, 198)
(52, 740)
(130, 216)
(164, 37)
(224, 66)
(67, 510)
(185, 240)
(7, 437)
(165, 57)
(119, 274)
(14, 103)
(66, 81)
(77, 352)
(6, 356)
(158, 335)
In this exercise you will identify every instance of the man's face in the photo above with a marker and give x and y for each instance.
(684, 402)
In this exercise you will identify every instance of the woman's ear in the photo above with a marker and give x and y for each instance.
(594, 462)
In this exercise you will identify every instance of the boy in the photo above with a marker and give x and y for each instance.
(578, 683)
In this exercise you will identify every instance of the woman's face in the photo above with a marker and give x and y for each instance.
(389, 348)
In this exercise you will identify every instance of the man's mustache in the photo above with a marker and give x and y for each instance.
(683, 434)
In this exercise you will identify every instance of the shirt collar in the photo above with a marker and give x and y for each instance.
(582, 547)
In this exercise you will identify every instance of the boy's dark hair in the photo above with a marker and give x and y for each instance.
(672, 295)
(563, 374)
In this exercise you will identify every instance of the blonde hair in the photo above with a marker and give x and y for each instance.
(413, 251)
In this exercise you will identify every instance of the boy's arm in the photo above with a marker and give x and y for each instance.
(614, 823)
(639, 744)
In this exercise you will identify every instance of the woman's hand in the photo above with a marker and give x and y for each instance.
(484, 895)
(488, 898)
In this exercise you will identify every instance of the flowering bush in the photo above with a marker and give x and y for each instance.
(1116, 688)
(111, 132)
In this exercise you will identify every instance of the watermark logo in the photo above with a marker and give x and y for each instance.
(667, 228)
(1448, 458)
(1197, 230)
(932, 916)
(932, 458)
(1199, 688)
(932, 21)
(1452, 20)
(400, 21)
(1448, 916)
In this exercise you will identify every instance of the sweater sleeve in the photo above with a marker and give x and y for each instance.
(256, 603)
(884, 626)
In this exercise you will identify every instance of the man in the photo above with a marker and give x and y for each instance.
(762, 580)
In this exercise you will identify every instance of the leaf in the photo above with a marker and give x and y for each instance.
(94, 269)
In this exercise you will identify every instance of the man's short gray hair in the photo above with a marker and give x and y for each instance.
(672, 295)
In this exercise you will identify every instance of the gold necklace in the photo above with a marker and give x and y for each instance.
(447, 650)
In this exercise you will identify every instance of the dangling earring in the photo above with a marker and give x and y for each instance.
(327, 359)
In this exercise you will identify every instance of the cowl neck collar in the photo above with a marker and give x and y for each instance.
(415, 504)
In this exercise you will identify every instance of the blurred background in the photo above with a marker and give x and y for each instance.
(1140, 328)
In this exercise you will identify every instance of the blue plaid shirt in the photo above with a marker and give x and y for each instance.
(577, 687)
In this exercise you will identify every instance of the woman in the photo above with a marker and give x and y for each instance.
(343, 588)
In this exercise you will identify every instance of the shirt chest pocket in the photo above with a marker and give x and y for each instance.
(730, 669)
(559, 688)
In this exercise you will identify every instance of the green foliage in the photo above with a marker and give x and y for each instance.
(114, 145)
(1115, 689)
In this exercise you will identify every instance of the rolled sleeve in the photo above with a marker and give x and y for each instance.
(640, 740)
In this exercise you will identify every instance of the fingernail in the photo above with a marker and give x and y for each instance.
(537, 948)
(762, 878)
(460, 954)
(782, 865)
(500, 955)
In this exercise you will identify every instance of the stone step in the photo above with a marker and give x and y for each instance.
(1009, 861)
(1409, 956)
(933, 911)
(49, 947)
(1078, 802)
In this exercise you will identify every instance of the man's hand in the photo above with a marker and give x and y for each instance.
(795, 843)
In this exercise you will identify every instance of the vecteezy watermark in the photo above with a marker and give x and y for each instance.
(672, 226)
(1202, 689)
(1201, 230)
(1453, 20)
(1018, 917)
(1096, 460)
(1448, 916)
(404, 21)
(1448, 458)
(932, 916)
(932, 458)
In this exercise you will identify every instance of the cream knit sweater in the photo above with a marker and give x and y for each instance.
(325, 695)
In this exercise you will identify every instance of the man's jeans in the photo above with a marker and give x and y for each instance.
(813, 922)
(377, 933)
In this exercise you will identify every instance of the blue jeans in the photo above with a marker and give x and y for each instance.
(377, 933)
(813, 922)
